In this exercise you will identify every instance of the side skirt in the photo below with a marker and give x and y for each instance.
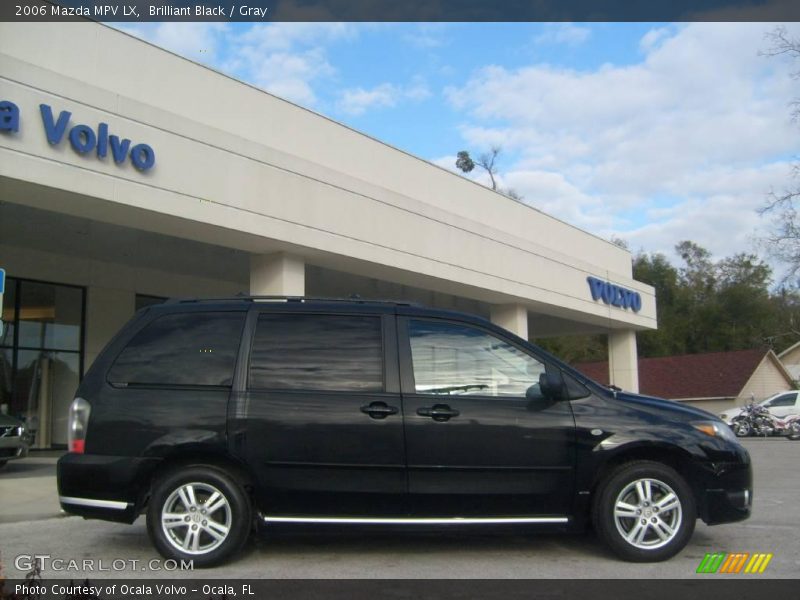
(417, 521)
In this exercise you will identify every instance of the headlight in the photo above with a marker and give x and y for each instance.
(715, 429)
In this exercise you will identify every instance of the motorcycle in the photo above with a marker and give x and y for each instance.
(757, 420)
(754, 420)
(789, 425)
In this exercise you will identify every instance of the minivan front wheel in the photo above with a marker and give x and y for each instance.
(645, 512)
(198, 514)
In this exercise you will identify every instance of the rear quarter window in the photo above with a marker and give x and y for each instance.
(197, 348)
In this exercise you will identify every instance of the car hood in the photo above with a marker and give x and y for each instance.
(676, 409)
(6, 421)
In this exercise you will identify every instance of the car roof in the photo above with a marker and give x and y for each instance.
(312, 304)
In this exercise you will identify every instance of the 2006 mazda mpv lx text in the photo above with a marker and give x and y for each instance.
(214, 415)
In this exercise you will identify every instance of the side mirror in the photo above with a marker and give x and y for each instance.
(551, 384)
(547, 392)
(554, 385)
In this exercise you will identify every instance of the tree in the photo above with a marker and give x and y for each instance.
(669, 338)
(785, 329)
(783, 242)
(704, 305)
(619, 243)
(488, 162)
(707, 305)
(464, 162)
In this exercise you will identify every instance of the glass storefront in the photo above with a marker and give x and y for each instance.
(41, 355)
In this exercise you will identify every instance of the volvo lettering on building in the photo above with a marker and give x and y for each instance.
(614, 295)
(84, 140)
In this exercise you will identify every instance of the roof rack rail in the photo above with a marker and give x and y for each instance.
(300, 299)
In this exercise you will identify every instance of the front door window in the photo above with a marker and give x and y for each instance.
(452, 359)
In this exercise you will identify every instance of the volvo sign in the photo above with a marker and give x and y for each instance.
(83, 139)
(614, 295)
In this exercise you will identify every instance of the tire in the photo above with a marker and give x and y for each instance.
(207, 538)
(742, 428)
(3, 463)
(664, 500)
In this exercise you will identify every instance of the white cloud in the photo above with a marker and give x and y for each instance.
(683, 144)
(427, 35)
(287, 74)
(653, 38)
(446, 162)
(286, 59)
(198, 41)
(356, 101)
(563, 33)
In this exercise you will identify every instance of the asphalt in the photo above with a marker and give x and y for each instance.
(32, 524)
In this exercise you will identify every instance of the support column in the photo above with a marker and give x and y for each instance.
(107, 310)
(623, 365)
(277, 275)
(513, 317)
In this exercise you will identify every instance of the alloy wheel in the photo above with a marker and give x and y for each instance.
(648, 513)
(196, 518)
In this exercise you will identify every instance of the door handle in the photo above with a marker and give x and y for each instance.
(378, 410)
(438, 412)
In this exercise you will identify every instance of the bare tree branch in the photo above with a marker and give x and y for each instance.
(783, 241)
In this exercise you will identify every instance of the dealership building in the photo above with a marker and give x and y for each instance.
(129, 175)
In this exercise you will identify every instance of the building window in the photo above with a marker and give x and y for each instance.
(41, 355)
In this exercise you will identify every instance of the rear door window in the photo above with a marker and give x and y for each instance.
(195, 348)
(339, 353)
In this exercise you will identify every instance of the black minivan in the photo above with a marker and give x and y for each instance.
(215, 415)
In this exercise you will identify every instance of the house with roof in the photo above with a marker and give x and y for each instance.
(791, 360)
(714, 381)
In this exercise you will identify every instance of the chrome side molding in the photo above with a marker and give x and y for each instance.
(93, 503)
(416, 520)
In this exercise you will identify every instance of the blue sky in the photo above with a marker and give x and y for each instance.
(649, 132)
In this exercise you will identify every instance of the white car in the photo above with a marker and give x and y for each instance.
(781, 405)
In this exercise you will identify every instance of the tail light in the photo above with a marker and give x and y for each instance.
(78, 424)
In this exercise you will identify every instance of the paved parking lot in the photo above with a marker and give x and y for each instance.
(30, 524)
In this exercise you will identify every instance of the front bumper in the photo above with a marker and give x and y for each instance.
(13, 447)
(727, 494)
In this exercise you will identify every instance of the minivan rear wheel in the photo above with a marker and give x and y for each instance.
(199, 513)
(644, 511)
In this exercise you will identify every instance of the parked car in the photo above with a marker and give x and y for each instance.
(14, 439)
(781, 405)
(210, 416)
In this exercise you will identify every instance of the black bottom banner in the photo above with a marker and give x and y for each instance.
(412, 589)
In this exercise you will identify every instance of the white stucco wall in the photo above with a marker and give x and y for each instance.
(242, 169)
(111, 288)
